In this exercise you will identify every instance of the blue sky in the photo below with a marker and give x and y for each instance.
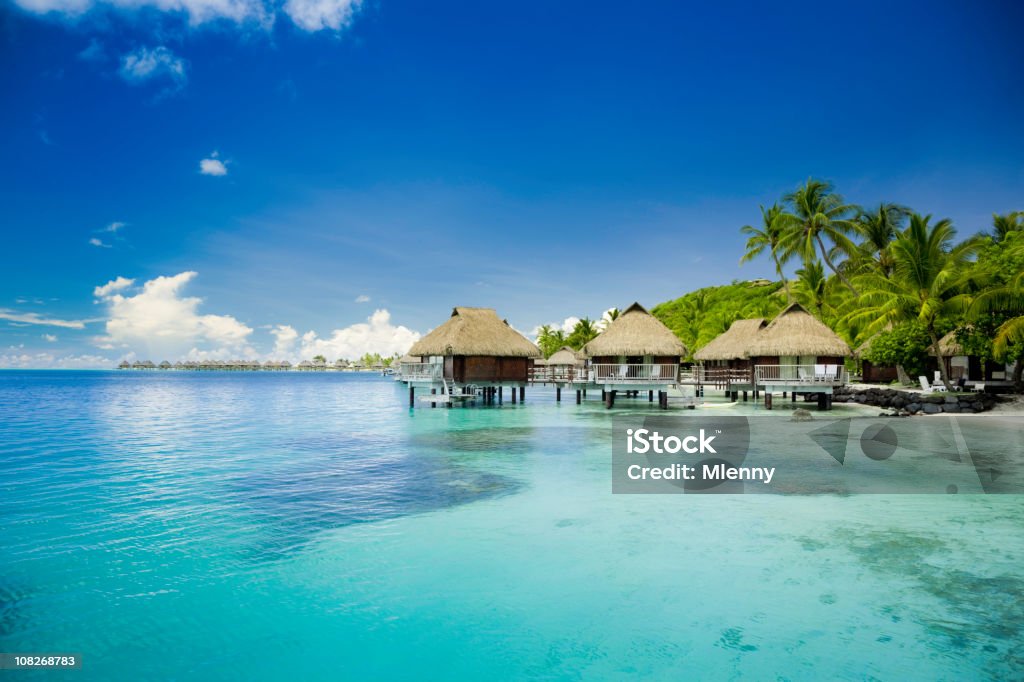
(546, 159)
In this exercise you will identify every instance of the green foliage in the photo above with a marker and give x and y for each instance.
(319, 358)
(701, 315)
(906, 344)
(583, 333)
(550, 340)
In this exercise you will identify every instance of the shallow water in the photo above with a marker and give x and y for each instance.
(258, 526)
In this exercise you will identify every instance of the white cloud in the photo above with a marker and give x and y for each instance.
(160, 321)
(314, 15)
(36, 318)
(376, 335)
(145, 64)
(99, 242)
(308, 15)
(362, 299)
(112, 286)
(565, 325)
(284, 340)
(22, 360)
(213, 166)
(52, 338)
(114, 226)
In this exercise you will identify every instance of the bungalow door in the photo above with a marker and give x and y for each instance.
(787, 366)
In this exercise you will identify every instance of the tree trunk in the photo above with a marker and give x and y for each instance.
(942, 359)
(785, 282)
(902, 376)
(828, 262)
(1018, 374)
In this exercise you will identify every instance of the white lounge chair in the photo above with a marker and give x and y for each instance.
(820, 373)
(802, 373)
(925, 386)
(979, 388)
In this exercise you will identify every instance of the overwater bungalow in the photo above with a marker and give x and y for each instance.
(635, 352)
(124, 364)
(164, 365)
(304, 366)
(796, 352)
(474, 349)
(565, 365)
(724, 361)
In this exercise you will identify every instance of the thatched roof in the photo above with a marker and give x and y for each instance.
(732, 344)
(635, 332)
(565, 356)
(475, 331)
(795, 331)
(407, 359)
(949, 346)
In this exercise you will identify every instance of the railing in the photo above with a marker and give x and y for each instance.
(420, 371)
(718, 376)
(800, 374)
(559, 374)
(609, 374)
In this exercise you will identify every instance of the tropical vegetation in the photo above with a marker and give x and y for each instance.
(889, 274)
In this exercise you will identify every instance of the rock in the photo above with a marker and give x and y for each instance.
(951, 408)
(801, 415)
(914, 408)
(950, 399)
(931, 408)
(977, 406)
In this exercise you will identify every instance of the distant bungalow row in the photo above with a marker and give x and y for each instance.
(254, 366)
(476, 355)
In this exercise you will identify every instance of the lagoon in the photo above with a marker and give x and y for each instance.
(268, 525)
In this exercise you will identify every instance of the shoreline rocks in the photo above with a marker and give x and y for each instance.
(906, 403)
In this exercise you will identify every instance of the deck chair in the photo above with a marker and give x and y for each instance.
(979, 388)
(623, 371)
(801, 373)
(820, 372)
(925, 386)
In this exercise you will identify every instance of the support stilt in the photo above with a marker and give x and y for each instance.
(522, 394)
(433, 391)
(579, 396)
(767, 401)
(558, 395)
(412, 395)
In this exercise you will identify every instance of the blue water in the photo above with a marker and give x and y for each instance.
(172, 526)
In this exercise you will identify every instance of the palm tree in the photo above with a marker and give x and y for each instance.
(817, 213)
(926, 284)
(583, 333)
(810, 287)
(767, 237)
(1004, 225)
(878, 228)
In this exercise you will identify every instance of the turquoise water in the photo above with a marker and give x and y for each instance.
(309, 526)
